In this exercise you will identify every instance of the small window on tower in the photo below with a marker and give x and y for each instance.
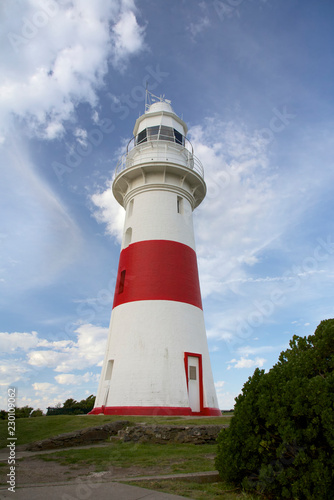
(121, 281)
(192, 373)
(179, 205)
(127, 237)
(131, 207)
(109, 369)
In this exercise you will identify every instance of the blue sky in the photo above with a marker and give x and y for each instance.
(253, 79)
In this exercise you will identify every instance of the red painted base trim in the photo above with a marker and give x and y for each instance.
(154, 410)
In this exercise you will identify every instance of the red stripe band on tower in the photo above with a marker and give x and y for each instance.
(158, 270)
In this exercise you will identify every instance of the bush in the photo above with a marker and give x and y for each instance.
(23, 412)
(37, 413)
(280, 442)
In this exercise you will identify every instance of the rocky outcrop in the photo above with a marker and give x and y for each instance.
(197, 434)
(141, 433)
(79, 438)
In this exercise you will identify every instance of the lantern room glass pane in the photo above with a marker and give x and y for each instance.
(179, 139)
(153, 133)
(141, 137)
(166, 133)
(162, 133)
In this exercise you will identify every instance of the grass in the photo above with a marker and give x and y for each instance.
(37, 428)
(197, 491)
(173, 457)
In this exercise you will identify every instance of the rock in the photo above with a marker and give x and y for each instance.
(197, 434)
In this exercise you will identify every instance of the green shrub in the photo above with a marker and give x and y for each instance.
(37, 413)
(280, 442)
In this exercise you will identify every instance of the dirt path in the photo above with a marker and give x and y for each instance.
(34, 470)
(31, 469)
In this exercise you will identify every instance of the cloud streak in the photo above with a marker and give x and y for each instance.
(37, 228)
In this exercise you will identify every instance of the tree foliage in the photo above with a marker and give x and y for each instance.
(73, 407)
(20, 412)
(280, 442)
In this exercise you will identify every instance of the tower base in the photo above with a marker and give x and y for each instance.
(155, 411)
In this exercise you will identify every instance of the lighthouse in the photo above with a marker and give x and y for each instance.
(157, 358)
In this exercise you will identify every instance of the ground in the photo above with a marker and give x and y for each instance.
(44, 467)
(33, 470)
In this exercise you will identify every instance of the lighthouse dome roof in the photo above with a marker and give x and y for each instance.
(159, 106)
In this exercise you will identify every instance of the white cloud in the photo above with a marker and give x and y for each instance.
(65, 356)
(245, 362)
(23, 341)
(41, 387)
(81, 136)
(199, 26)
(235, 221)
(55, 56)
(10, 342)
(95, 117)
(71, 379)
(56, 344)
(226, 400)
(127, 37)
(44, 394)
(12, 371)
(54, 130)
(45, 358)
(109, 212)
(62, 356)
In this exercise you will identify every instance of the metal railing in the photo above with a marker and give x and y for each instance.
(160, 151)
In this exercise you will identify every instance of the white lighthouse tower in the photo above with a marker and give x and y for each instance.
(157, 360)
